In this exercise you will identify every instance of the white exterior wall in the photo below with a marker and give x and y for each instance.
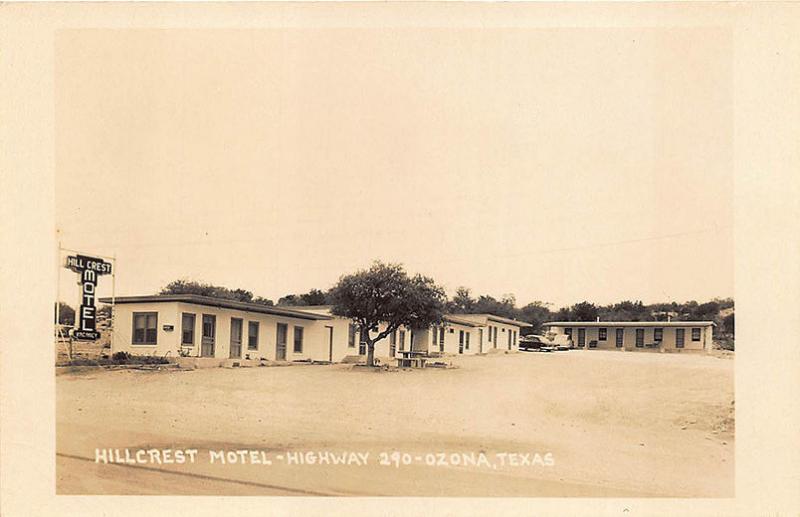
(314, 335)
(629, 337)
(504, 330)
(166, 342)
(315, 338)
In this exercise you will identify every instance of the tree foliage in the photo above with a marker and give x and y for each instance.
(184, 286)
(386, 294)
(313, 297)
(64, 313)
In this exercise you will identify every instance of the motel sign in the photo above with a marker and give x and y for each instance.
(89, 269)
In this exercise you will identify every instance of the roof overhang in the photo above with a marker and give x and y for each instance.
(629, 324)
(209, 301)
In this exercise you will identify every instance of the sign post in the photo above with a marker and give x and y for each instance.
(89, 269)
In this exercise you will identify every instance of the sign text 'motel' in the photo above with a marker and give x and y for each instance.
(89, 268)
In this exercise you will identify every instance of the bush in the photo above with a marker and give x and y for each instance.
(121, 358)
(148, 359)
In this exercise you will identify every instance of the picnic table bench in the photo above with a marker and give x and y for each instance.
(411, 359)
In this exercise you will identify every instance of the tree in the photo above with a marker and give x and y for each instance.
(184, 286)
(313, 297)
(385, 293)
(462, 302)
(534, 313)
(65, 314)
(729, 324)
(584, 311)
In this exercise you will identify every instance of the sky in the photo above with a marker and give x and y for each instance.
(557, 165)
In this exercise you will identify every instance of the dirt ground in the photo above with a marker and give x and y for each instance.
(611, 424)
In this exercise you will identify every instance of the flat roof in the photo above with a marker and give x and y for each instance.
(492, 317)
(628, 324)
(219, 302)
(461, 321)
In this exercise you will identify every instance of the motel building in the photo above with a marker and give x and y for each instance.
(663, 336)
(216, 330)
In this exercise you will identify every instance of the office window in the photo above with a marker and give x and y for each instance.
(695, 334)
(620, 337)
(639, 338)
(658, 334)
(351, 336)
(602, 334)
(252, 335)
(402, 340)
(187, 328)
(581, 337)
(298, 340)
(680, 336)
(145, 328)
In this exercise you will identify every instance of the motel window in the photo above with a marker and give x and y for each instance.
(495, 337)
(187, 328)
(298, 340)
(466, 343)
(433, 336)
(602, 334)
(441, 338)
(658, 334)
(452, 330)
(620, 335)
(252, 335)
(351, 336)
(680, 336)
(145, 328)
(639, 338)
(695, 334)
(568, 332)
(402, 340)
(490, 334)
(581, 337)
(393, 338)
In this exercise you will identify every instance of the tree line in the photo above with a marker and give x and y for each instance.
(535, 313)
(718, 310)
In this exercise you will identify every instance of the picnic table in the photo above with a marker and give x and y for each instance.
(411, 359)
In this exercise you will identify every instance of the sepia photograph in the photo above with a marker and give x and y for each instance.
(401, 258)
(432, 262)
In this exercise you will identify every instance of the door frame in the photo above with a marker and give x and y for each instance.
(213, 319)
(278, 327)
(241, 339)
(330, 342)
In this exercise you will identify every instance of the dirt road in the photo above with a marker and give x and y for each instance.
(611, 424)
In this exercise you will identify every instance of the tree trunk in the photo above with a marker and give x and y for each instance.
(370, 353)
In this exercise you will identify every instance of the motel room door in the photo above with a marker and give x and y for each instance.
(280, 342)
(330, 342)
(236, 338)
(209, 335)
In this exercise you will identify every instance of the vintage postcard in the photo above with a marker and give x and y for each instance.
(404, 254)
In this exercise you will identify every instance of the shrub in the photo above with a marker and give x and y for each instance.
(121, 358)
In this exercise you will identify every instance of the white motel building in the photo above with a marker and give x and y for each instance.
(664, 336)
(220, 329)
